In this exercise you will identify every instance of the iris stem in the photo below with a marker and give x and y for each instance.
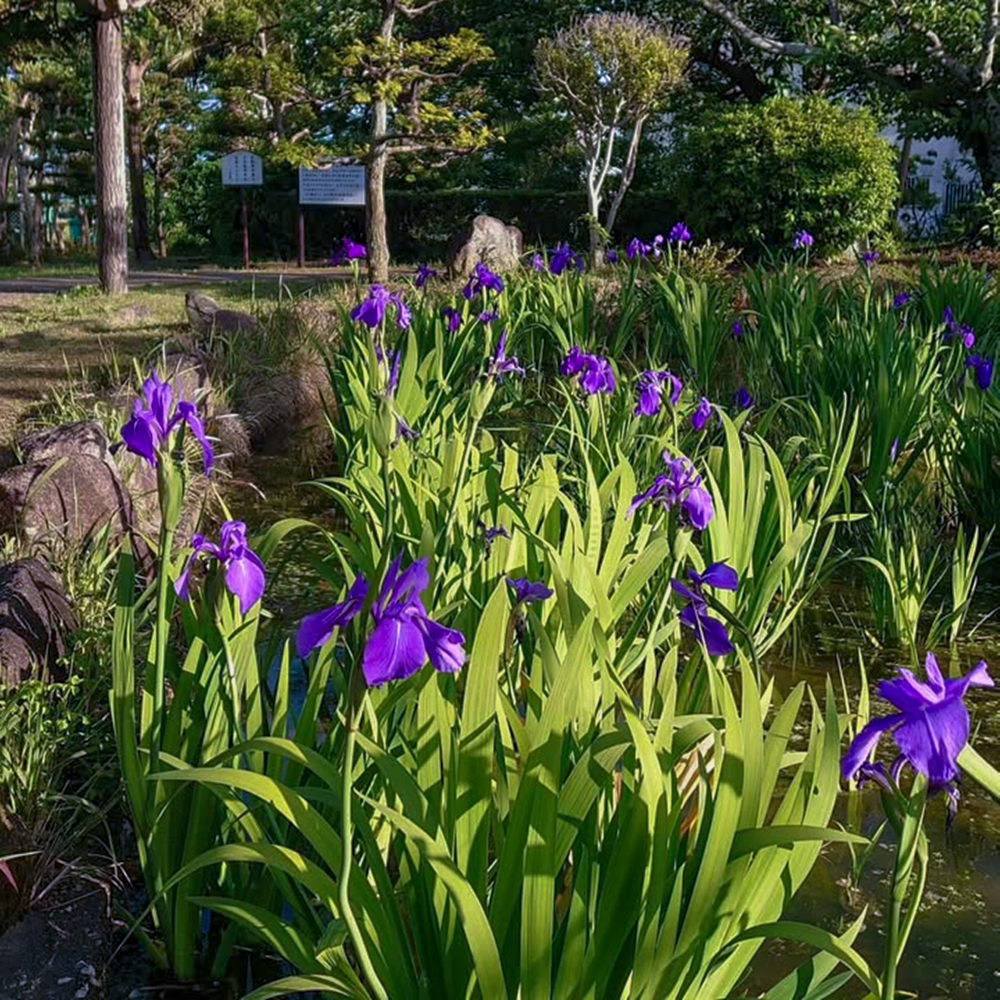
(162, 634)
(906, 854)
(347, 838)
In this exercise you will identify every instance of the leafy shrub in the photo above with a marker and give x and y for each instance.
(763, 172)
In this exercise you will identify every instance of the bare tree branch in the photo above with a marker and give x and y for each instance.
(991, 31)
(792, 50)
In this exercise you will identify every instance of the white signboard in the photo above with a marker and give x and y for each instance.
(333, 186)
(242, 170)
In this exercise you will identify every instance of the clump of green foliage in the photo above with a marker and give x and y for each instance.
(759, 173)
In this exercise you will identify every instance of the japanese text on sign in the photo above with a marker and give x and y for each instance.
(242, 170)
(333, 186)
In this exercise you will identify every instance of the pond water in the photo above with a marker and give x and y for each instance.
(954, 951)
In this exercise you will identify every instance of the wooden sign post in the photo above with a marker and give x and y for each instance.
(243, 170)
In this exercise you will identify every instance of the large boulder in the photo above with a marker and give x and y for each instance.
(85, 437)
(69, 499)
(488, 241)
(35, 617)
(207, 316)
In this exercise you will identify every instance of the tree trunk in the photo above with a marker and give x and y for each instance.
(627, 174)
(376, 228)
(161, 234)
(137, 183)
(109, 156)
(593, 213)
(904, 166)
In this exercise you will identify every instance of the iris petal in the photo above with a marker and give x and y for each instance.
(245, 580)
(933, 739)
(445, 646)
(394, 651)
(865, 742)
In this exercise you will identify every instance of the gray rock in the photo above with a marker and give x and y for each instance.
(489, 241)
(86, 437)
(69, 499)
(35, 617)
(207, 316)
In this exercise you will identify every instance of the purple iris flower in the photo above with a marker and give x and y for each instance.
(502, 365)
(488, 316)
(538, 263)
(574, 362)
(984, 370)
(951, 327)
(870, 257)
(636, 248)
(902, 299)
(702, 414)
(155, 418)
(651, 386)
(424, 274)
(930, 728)
(561, 257)
(244, 570)
(452, 317)
(737, 329)
(315, 629)
(596, 373)
(710, 631)
(680, 233)
(679, 486)
(482, 280)
(598, 376)
(371, 311)
(527, 592)
(347, 251)
(490, 535)
(403, 315)
(967, 335)
(611, 256)
(743, 400)
(894, 450)
(404, 636)
(803, 240)
(403, 429)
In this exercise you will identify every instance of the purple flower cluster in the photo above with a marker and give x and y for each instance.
(679, 486)
(596, 373)
(981, 364)
(803, 240)
(244, 570)
(562, 257)
(452, 317)
(902, 299)
(737, 329)
(500, 364)
(423, 275)
(870, 257)
(636, 248)
(372, 310)
(680, 233)
(482, 280)
(743, 400)
(702, 414)
(527, 592)
(930, 728)
(404, 636)
(711, 633)
(651, 386)
(347, 251)
(155, 418)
